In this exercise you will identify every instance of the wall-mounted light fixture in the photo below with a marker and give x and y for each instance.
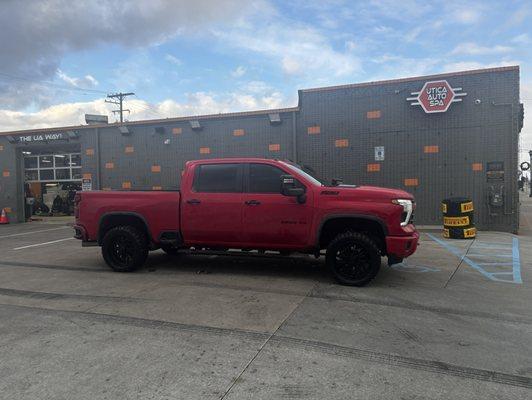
(195, 125)
(275, 118)
(124, 130)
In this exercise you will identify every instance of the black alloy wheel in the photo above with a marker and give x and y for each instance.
(124, 248)
(353, 258)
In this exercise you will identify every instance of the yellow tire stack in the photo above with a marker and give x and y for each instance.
(458, 218)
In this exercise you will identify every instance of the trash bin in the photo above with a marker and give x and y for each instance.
(458, 222)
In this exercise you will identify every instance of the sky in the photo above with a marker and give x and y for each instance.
(59, 58)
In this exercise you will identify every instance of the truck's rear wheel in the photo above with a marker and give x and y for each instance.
(125, 248)
(353, 258)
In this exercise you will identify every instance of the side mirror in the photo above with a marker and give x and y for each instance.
(288, 188)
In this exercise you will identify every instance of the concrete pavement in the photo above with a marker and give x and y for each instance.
(454, 321)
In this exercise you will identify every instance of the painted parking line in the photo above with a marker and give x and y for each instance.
(43, 244)
(31, 232)
(499, 268)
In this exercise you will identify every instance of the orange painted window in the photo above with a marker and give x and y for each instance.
(87, 176)
(239, 132)
(6, 174)
(374, 167)
(109, 165)
(431, 149)
(177, 131)
(205, 150)
(274, 147)
(89, 152)
(156, 188)
(313, 130)
(126, 185)
(374, 114)
(476, 166)
(129, 149)
(8, 209)
(155, 168)
(411, 182)
(341, 143)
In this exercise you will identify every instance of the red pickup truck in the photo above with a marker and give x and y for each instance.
(252, 203)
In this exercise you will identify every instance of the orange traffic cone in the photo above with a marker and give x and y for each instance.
(3, 217)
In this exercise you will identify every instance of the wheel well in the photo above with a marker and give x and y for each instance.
(333, 227)
(110, 221)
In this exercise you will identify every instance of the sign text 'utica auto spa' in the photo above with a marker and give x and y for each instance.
(436, 96)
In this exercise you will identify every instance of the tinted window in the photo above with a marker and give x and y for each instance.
(264, 178)
(218, 178)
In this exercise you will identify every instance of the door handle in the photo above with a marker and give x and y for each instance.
(193, 201)
(252, 203)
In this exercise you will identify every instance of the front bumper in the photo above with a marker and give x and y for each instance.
(402, 246)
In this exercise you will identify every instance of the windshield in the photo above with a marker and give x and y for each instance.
(305, 171)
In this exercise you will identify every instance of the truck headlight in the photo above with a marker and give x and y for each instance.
(408, 208)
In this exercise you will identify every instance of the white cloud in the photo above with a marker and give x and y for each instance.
(524, 38)
(296, 49)
(467, 15)
(85, 82)
(37, 34)
(467, 65)
(248, 98)
(238, 72)
(470, 48)
(351, 45)
(173, 60)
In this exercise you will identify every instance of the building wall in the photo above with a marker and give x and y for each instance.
(466, 135)
(9, 176)
(335, 132)
(142, 160)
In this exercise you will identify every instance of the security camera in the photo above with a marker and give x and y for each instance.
(478, 101)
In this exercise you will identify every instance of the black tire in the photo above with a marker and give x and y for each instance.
(171, 251)
(353, 259)
(125, 248)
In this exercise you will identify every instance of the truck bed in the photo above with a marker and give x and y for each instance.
(158, 209)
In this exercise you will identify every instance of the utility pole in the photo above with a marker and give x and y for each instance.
(119, 102)
(530, 175)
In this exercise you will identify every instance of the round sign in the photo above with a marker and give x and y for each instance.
(525, 166)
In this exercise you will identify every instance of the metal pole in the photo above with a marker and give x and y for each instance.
(530, 175)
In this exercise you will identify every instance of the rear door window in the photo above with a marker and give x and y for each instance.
(218, 178)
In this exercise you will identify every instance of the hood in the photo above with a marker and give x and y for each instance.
(371, 192)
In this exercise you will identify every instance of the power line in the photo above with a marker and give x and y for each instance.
(50, 84)
(119, 102)
(149, 108)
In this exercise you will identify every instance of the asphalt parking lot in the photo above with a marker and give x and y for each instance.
(453, 322)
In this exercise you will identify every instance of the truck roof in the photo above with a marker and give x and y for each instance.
(231, 159)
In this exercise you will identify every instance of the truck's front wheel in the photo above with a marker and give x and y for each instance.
(125, 248)
(353, 258)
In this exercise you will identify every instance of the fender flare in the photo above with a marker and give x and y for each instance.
(126, 214)
(352, 216)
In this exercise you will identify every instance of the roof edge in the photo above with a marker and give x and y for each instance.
(153, 121)
(410, 79)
